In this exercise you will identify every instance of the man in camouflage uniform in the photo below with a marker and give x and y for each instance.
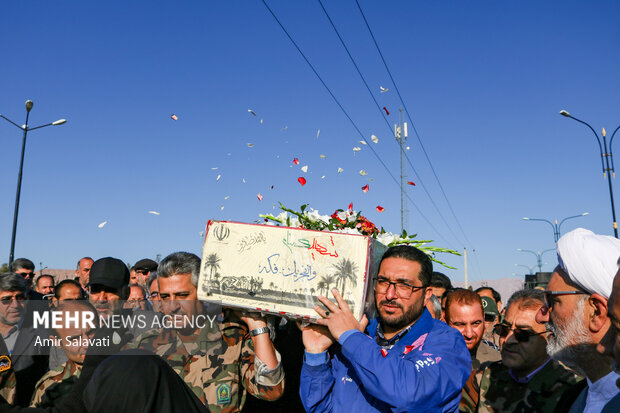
(526, 380)
(60, 380)
(218, 360)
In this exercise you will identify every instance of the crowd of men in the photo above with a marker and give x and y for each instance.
(431, 347)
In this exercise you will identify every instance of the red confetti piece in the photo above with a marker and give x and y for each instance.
(301, 180)
(411, 183)
(174, 117)
(351, 206)
(260, 197)
(386, 111)
(296, 161)
(365, 188)
(380, 208)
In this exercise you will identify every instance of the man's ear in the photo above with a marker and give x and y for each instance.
(598, 318)
(427, 294)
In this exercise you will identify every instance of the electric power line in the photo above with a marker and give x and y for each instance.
(419, 178)
(349, 117)
(412, 124)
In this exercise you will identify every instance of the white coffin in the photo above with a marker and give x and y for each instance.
(281, 270)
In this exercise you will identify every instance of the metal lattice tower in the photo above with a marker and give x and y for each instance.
(400, 133)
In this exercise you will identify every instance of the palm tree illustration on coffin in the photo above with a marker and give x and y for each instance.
(211, 265)
(344, 271)
(325, 283)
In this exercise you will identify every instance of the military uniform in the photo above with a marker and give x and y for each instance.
(485, 354)
(499, 392)
(217, 365)
(55, 383)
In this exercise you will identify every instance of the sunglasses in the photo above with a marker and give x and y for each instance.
(522, 336)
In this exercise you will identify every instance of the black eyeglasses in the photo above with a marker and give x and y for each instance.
(522, 336)
(403, 290)
(550, 294)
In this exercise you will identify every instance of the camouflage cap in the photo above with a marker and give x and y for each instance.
(490, 307)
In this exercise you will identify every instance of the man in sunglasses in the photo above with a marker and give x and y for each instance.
(576, 312)
(404, 360)
(526, 379)
(141, 271)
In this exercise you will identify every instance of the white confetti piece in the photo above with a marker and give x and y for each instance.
(407, 148)
(363, 142)
(374, 139)
(215, 168)
(243, 180)
(222, 208)
(154, 213)
(356, 149)
(250, 145)
(340, 170)
(383, 90)
(102, 224)
(322, 156)
(252, 112)
(261, 121)
(304, 168)
(323, 177)
(318, 133)
(363, 172)
(218, 178)
(226, 197)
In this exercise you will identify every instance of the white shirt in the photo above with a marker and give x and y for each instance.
(600, 392)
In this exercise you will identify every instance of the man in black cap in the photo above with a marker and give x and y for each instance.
(141, 271)
(107, 278)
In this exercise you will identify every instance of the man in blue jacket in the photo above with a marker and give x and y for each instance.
(406, 361)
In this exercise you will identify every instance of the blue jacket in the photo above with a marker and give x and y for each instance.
(424, 372)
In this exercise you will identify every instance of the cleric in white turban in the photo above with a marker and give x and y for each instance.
(590, 260)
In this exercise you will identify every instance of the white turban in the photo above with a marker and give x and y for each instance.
(589, 259)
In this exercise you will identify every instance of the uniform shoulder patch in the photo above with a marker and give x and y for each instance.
(223, 393)
(5, 363)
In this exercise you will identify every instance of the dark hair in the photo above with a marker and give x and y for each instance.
(66, 305)
(20, 263)
(36, 282)
(126, 290)
(440, 280)
(180, 263)
(496, 296)
(64, 283)
(462, 296)
(9, 281)
(410, 253)
(527, 298)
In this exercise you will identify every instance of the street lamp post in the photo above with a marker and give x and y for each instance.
(531, 269)
(556, 227)
(606, 155)
(538, 255)
(26, 129)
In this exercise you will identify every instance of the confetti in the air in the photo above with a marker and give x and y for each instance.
(411, 183)
(252, 112)
(261, 121)
(322, 156)
(365, 188)
(154, 213)
(380, 208)
(363, 142)
(383, 90)
(102, 224)
(323, 177)
(243, 180)
(386, 111)
(222, 208)
(318, 133)
(340, 170)
(250, 145)
(407, 148)
(271, 187)
(218, 178)
(215, 168)
(374, 139)
(356, 149)
(351, 206)
(283, 129)
(363, 172)
(226, 197)
(301, 180)
(174, 117)
(296, 161)
(304, 168)
(259, 196)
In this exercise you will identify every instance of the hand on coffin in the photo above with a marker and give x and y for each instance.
(338, 318)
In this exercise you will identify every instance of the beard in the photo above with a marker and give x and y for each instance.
(407, 317)
(570, 342)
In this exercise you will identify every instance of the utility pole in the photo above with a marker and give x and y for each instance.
(465, 257)
(400, 133)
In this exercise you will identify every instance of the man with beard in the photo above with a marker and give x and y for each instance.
(407, 362)
(610, 345)
(219, 361)
(525, 380)
(576, 312)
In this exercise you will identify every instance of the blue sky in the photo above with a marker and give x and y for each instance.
(484, 82)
